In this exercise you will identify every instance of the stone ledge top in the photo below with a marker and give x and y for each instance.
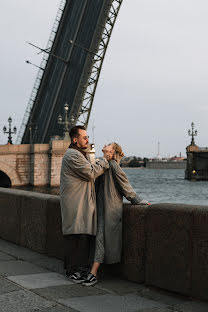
(176, 207)
(14, 148)
(163, 207)
(45, 196)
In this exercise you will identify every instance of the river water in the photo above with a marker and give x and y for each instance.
(167, 186)
(158, 186)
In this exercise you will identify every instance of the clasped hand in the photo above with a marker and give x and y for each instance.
(108, 152)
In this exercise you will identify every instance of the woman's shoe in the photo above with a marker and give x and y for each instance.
(91, 280)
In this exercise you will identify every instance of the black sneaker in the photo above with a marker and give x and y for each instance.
(91, 280)
(77, 278)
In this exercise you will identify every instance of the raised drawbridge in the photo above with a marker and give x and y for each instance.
(70, 68)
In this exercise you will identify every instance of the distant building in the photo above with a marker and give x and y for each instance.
(197, 163)
(197, 160)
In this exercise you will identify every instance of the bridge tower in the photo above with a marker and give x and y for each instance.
(70, 68)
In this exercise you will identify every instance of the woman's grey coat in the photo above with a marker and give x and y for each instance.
(110, 190)
(77, 192)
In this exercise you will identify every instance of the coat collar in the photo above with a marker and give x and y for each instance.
(78, 149)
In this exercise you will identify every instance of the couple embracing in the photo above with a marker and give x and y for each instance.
(91, 198)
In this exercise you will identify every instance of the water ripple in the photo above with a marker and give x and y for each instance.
(161, 185)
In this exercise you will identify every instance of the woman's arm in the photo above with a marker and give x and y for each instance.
(124, 184)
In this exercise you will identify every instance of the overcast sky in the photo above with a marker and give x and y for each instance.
(154, 80)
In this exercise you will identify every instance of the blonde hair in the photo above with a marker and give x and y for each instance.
(118, 152)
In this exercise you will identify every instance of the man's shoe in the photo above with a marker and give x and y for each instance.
(91, 280)
(77, 278)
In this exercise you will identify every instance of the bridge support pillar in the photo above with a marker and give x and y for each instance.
(56, 153)
(39, 164)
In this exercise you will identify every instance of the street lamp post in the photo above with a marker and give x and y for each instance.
(192, 133)
(66, 122)
(32, 130)
(10, 131)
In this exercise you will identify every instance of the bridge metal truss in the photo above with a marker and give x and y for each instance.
(81, 105)
(40, 72)
(91, 85)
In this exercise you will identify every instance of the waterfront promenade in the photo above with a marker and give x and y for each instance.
(30, 281)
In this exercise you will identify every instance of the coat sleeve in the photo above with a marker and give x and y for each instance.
(84, 169)
(123, 183)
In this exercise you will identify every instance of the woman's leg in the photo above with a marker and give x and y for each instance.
(95, 268)
(99, 250)
(99, 246)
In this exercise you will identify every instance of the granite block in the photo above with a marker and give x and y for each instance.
(5, 257)
(55, 240)
(49, 263)
(169, 247)
(68, 291)
(6, 286)
(109, 303)
(18, 252)
(23, 301)
(200, 254)
(118, 286)
(10, 217)
(166, 297)
(34, 223)
(18, 267)
(192, 306)
(40, 280)
(134, 242)
(57, 308)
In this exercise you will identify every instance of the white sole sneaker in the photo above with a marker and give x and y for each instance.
(91, 280)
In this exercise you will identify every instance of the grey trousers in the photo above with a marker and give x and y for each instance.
(100, 241)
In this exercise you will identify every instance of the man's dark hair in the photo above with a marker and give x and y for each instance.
(74, 132)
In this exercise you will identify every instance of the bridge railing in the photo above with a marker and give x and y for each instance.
(40, 72)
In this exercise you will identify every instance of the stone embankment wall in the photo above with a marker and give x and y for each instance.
(165, 245)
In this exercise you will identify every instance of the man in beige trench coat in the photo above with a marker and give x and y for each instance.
(78, 204)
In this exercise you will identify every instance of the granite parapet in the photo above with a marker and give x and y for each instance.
(164, 245)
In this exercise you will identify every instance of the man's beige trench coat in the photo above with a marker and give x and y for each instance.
(77, 192)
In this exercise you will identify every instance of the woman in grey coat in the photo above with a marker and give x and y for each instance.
(110, 189)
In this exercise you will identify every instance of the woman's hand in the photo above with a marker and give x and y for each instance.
(144, 202)
(108, 152)
(137, 201)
